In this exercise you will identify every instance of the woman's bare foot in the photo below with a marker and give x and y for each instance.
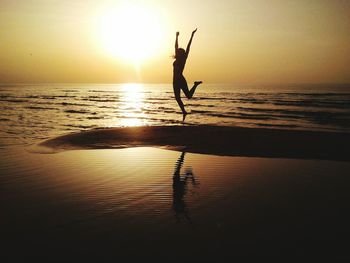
(196, 83)
(184, 116)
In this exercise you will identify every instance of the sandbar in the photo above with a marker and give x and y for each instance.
(216, 140)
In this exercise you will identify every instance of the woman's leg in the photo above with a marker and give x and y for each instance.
(178, 98)
(189, 93)
(195, 84)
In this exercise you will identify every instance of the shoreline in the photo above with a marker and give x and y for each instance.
(214, 140)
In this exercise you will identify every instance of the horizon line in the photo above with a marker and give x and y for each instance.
(343, 84)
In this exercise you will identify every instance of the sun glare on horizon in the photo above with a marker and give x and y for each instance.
(130, 32)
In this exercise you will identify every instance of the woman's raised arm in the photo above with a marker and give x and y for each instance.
(176, 42)
(190, 42)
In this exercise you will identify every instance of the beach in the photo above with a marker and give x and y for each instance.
(129, 203)
(166, 190)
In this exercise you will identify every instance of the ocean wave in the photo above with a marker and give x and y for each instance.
(157, 99)
(106, 107)
(15, 100)
(164, 108)
(74, 104)
(106, 91)
(80, 126)
(207, 98)
(65, 96)
(77, 111)
(312, 103)
(235, 115)
(40, 108)
(101, 100)
(250, 100)
(95, 117)
(294, 112)
(201, 105)
(341, 119)
(326, 94)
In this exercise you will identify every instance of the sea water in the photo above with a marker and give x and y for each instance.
(33, 112)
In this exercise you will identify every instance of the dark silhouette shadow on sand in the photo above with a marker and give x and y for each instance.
(180, 189)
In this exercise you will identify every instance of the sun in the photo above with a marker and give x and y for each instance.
(130, 32)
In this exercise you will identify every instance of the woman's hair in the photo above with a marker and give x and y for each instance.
(180, 53)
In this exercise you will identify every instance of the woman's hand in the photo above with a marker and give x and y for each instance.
(177, 33)
(194, 31)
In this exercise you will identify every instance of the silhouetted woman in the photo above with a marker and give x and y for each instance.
(179, 81)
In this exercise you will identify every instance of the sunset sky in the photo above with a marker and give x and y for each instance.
(238, 41)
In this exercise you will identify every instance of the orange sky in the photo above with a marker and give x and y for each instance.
(257, 41)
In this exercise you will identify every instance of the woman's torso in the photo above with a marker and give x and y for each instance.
(178, 67)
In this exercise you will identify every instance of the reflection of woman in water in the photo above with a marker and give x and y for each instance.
(180, 188)
(179, 81)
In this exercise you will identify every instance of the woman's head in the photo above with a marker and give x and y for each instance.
(180, 53)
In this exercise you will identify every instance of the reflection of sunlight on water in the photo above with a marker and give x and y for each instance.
(131, 122)
(132, 99)
(133, 95)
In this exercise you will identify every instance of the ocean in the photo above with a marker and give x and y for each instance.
(34, 112)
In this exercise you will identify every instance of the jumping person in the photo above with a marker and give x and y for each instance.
(179, 81)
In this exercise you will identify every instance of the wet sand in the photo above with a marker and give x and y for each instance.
(104, 196)
(154, 204)
(217, 140)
